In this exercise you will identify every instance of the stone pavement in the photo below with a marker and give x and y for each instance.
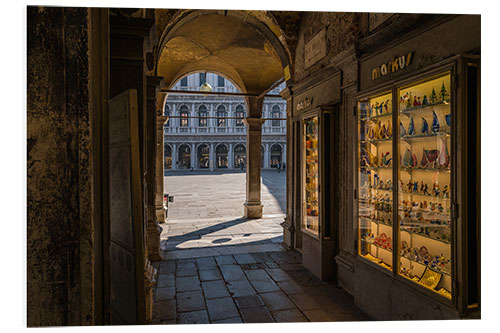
(260, 287)
(222, 268)
(205, 218)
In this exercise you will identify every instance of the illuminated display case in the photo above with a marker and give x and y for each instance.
(310, 222)
(416, 221)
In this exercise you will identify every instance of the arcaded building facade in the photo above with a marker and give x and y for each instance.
(208, 132)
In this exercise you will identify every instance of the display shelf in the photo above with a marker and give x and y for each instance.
(415, 223)
(425, 169)
(376, 167)
(435, 269)
(374, 141)
(425, 236)
(376, 189)
(370, 118)
(371, 242)
(376, 221)
(419, 137)
(413, 109)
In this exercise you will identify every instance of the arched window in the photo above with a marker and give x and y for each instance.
(184, 159)
(240, 156)
(202, 113)
(166, 112)
(203, 156)
(276, 152)
(221, 116)
(184, 114)
(168, 157)
(240, 114)
(221, 156)
(275, 113)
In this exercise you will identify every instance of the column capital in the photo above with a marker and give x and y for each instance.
(253, 123)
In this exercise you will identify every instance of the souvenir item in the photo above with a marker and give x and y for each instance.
(386, 161)
(405, 99)
(388, 134)
(433, 97)
(444, 157)
(424, 129)
(415, 187)
(435, 190)
(370, 133)
(411, 127)
(408, 101)
(383, 132)
(386, 106)
(426, 190)
(410, 186)
(407, 158)
(445, 191)
(415, 101)
(435, 122)
(377, 130)
(447, 118)
(402, 130)
(424, 100)
(443, 93)
(429, 156)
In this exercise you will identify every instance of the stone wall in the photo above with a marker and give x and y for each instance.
(59, 223)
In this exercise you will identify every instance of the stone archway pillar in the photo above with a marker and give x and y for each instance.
(230, 157)
(253, 205)
(266, 156)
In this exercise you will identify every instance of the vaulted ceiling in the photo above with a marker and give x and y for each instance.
(248, 47)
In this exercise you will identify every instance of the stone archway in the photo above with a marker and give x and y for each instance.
(240, 155)
(203, 156)
(221, 157)
(184, 159)
(275, 155)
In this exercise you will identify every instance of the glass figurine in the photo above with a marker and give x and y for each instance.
(425, 101)
(388, 134)
(411, 127)
(448, 119)
(424, 129)
(443, 93)
(435, 122)
(402, 130)
(386, 161)
(433, 97)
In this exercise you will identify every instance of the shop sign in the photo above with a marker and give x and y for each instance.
(304, 104)
(392, 66)
(315, 49)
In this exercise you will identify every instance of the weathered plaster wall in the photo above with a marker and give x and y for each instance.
(59, 230)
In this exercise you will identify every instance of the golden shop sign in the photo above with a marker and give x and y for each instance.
(304, 103)
(392, 66)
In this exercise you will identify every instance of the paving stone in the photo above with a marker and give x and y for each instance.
(210, 275)
(186, 269)
(162, 294)
(235, 320)
(291, 267)
(290, 287)
(164, 310)
(256, 315)
(305, 302)
(244, 258)
(278, 275)
(289, 316)
(214, 289)
(257, 275)
(221, 308)
(318, 315)
(166, 280)
(248, 301)
(193, 317)
(225, 260)
(167, 267)
(190, 301)
(277, 301)
(232, 273)
(206, 263)
(264, 286)
(240, 288)
(187, 283)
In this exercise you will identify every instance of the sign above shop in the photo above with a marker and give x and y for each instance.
(392, 66)
(315, 49)
(304, 104)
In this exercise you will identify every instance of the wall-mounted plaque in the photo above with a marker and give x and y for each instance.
(315, 49)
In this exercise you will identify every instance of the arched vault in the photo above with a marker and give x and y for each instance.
(239, 44)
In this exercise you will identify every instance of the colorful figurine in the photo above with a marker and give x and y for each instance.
(410, 186)
(386, 106)
(425, 101)
(408, 102)
(445, 192)
(386, 161)
(407, 158)
(426, 190)
(443, 93)
(402, 131)
(405, 99)
(415, 187)
(411, 127)
(388, 133)
(435, 122)
(433, 97)
(424, 129)
(435, 190)
(444, 157)
(447, 118)
(415, 101)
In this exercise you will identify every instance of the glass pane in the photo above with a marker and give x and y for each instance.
(424, 184)
(311, 175)
(375, 179)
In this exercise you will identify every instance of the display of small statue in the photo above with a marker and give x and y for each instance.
(408, 102)
(410, 186)
(435, 190)
(425, 101)
(422, 188)
(415, 187)
(445, 192)
(433, 97)
(440, 208)
(443, 93)
(426, 190)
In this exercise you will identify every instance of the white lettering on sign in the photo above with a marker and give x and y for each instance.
(305, 103)
(315, 49)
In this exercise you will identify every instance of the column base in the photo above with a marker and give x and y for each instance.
(252, 210)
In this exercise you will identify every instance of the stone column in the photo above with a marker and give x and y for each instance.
(253, 205)
(288, 224)
(266, 156)
(230, 157)
(174, 156)
(284, 153)
(212, 157)
(160, 164)
(193, 155)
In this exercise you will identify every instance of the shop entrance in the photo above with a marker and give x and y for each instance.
(240, 156)
(203, 156)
